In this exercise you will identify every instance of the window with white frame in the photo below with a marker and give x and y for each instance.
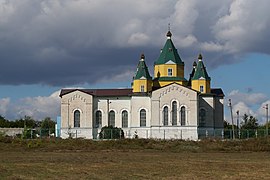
(124, 119)
(183, 116)
(77, 115)
(111, 118)
(165, 116)
(170, 72)
(201, 88)
(98, 123)
(142, 118)
(174, 113)
(142, 88)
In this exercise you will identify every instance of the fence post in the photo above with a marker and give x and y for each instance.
(222, 133)
(206, 133)
(164, 135)
(256, 133)
(111, 133)
(239, 134)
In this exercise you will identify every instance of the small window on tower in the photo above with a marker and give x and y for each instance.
(170, 72)
(201, 88)
(142, 88)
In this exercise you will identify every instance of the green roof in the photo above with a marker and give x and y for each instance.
(142, 70)
(192, 73)
(169, 53)
(200, 72)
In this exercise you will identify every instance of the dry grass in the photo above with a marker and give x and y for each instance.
(139, 159)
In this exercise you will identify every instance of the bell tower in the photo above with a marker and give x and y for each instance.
(142, 81)
(168, 67)
(200, 80)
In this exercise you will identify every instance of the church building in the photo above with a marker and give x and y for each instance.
(166, 106)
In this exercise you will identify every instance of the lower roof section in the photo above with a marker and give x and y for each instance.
(123, 92)
(100, 92)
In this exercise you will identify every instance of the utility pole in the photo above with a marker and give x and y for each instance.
(238, 124)
(230, 105)
(266, 108)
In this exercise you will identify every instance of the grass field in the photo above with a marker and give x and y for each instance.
(134, 159)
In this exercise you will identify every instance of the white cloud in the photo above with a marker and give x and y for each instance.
(187, 41)
(248, 103)
(211, 47)
(137, 39)
(247, 98)
(246, 24)
(262, 112)
(184, 17)
(38, 107)
(243, 109)
(4, 103)
(122, 77)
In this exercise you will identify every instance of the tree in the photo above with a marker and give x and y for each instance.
(227, 125)
(47, 126)
(249, 126)
(4, 123)
(249, 122)
(110, 132)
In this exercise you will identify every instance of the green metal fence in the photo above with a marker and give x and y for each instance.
(230, 134)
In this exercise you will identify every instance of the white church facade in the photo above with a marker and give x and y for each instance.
(166, 106)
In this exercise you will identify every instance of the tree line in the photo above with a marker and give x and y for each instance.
(27, 122)
(248, 122)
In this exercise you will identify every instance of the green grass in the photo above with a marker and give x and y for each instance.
(134, 159)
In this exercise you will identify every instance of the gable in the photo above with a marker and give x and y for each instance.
(174, 90)
(170, 62)
(77, 96)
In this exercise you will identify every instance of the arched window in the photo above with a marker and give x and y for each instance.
(174, 113)
(183, 116)
(124, 119)
(77, 115)
(143, 118)
(111, 119)
(202, 117)
(98, 122)
(165, 116)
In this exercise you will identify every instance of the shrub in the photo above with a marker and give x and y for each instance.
(110, 132)
(29, 134)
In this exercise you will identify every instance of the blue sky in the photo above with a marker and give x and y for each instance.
(249, 75)
(48, 45)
